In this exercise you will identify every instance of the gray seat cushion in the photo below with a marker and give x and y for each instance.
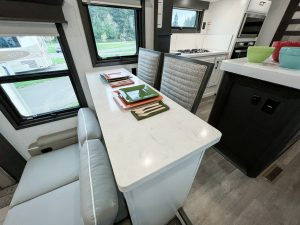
(181, 80)
(46, 172)
(122, 211)
(58, 207)
(98, 194)
(88, 126)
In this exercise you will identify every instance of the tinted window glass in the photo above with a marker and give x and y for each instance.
(184, 18)
(30, 54)
(34, 76)
(9, 42)
(114, 31)
(41, 96)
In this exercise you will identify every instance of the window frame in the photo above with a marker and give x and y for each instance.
(196, 29)
(117, 60)
(11, 112)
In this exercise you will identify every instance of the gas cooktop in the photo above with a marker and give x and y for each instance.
(191, 51)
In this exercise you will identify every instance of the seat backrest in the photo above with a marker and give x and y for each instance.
(184, 80)
(98, 193)
(149, 66)
(88, 127)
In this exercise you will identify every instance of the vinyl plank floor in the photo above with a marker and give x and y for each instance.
(3, 213)
(223, 195)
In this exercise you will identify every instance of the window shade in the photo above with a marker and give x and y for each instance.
(191, 4)
(8, 28)
(32, 10)
(125, 3)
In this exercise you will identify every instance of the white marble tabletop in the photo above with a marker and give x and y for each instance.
(141, 149)
(267, 71)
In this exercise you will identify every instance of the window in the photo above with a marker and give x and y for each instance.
(186, 20)
(31, 54)
(36, 82)
(113, 32)
(41, 96)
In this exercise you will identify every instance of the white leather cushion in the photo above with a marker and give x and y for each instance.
(98, 194)
(58, 207)
(88, 127)
(46, 172)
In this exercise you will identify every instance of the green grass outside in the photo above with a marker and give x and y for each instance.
(58, 60)
(115, 45)
(72, 105)
(51, 48)
(24, 84)
(106, 49)
(101, 45)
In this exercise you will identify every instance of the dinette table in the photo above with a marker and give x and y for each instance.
(154, 160)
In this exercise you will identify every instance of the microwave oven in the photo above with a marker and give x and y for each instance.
(251, 25)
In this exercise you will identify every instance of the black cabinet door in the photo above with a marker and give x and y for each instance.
(257, 120)
(10, 160)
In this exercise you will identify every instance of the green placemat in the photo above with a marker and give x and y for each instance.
(139, 117)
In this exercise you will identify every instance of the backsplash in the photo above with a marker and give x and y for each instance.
(191, 41)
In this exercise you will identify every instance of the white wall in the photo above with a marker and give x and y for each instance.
(149, 26)
(195, 40)
(225, 17)
(78, 45)
(223, 20)
(272, 21)
(21, 139)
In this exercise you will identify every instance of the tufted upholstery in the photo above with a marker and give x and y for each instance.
(149, 66)
(184, 80)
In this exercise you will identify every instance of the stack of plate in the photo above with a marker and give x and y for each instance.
(135, 96)
(117, 79)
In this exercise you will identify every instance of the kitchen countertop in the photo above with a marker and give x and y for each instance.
(210, 53)
(267, 71)
(140, 149)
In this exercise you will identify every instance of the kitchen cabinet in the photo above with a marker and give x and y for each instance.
(217, 72)
(214, 81)
(259, 120)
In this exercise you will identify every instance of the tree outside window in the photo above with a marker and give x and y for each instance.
(114, 30)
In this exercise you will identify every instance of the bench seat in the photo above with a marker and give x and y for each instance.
(61, 206)
(47, 172)
(70, 186)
